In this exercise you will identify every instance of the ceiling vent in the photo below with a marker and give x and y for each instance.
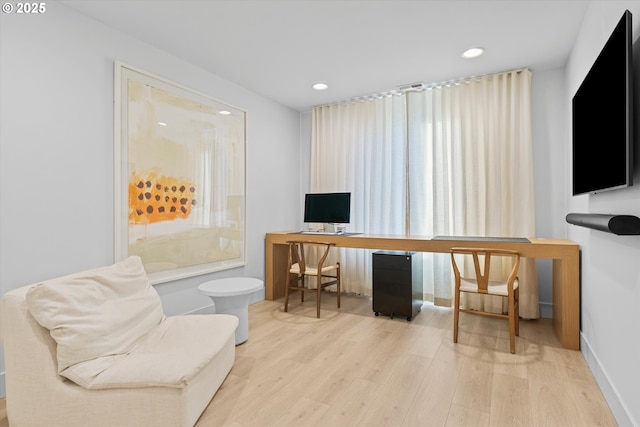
(412, 86)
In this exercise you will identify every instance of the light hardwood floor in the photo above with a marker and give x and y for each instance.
(3, 413)
(350, 368)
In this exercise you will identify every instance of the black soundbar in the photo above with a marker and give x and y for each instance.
(622, 225)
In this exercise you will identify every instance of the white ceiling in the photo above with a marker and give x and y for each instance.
(279, 48)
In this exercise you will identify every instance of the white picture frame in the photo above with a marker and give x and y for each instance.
(179, 177)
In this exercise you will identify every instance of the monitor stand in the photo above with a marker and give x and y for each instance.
(328, 228)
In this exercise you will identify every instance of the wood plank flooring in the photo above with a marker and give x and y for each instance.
(350, 368)
(3, 413)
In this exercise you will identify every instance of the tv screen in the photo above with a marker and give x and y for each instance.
(602, 118)
(327, 207)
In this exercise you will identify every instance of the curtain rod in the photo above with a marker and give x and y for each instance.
(420, 86)
(461, 80)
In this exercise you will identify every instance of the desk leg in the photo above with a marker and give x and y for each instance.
(566, 300)
(276, 259)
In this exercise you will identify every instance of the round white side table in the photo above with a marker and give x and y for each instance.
(232, 296)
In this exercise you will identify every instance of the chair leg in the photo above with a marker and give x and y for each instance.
(286, 292)
(319, 287)
(456, 314)
(302, 286)
(517, 305)
(512, 324)
(338, 279)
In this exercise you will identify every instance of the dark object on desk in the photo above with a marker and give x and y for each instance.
(622, 225)
(397, 283)
(484, 239)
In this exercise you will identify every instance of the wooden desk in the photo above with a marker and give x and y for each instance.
(565, 255)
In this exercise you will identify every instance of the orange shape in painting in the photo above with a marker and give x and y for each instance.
(155, 198)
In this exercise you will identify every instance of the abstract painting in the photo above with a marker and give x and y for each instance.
(179, 177)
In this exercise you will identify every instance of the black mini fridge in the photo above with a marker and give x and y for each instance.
(397, 283)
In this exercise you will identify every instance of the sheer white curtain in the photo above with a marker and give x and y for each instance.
(451, 160)
(359, 147)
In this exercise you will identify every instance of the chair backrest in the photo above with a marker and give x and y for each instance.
(297, 252)
(482, 274)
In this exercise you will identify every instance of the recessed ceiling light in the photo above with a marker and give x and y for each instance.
(162, 123)
(474, 52)
(320, 86)
(225, 112)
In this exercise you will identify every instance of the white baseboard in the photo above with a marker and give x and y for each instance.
(211, 308)
(208, 309)
(618, 408)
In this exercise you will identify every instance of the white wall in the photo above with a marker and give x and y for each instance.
(56, 151)
(548, 120)
(610, 339)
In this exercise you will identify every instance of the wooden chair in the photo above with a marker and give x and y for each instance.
(299, 269)
(482, 285)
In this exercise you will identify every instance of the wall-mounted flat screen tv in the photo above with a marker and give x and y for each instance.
(602, 118)
(330, 208)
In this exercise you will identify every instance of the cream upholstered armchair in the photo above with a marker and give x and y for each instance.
(95, 348)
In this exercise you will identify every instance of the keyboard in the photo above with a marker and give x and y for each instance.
(320, 233)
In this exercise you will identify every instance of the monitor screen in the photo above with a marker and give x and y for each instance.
(327, 207)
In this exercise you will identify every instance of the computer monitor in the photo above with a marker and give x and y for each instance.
(327, 208)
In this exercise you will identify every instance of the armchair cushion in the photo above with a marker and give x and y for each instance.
(171, 355)
(98, 315)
